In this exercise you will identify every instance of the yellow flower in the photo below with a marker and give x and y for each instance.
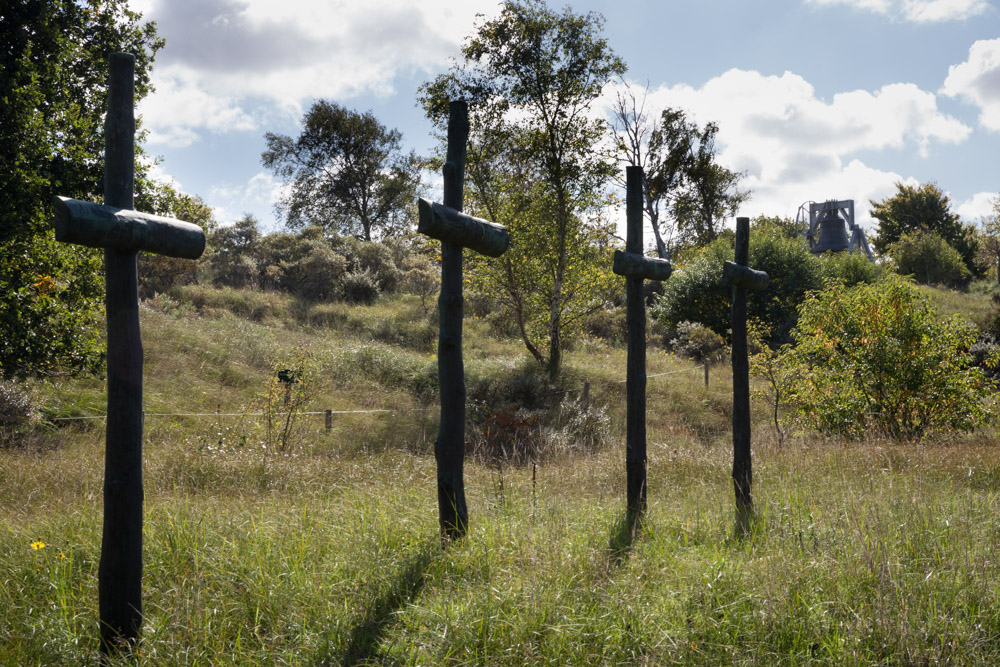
(61, 556)
(38, 545)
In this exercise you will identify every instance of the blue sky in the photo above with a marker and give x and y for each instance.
(816, 99)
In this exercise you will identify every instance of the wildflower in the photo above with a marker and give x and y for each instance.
(38, 544)
(61, 556)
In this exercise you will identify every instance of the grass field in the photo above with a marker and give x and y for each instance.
(326, 552)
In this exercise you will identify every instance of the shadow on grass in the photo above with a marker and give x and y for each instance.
(365, 637)
(622, 536)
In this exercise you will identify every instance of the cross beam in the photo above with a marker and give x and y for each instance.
(455, 230)
(449, 225)
(101, 226)
(122, 232)
(742, 278)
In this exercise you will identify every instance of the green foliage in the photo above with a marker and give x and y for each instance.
(849, 268)
(696, 293)
(929, 259)
(53, 82)
(926, 208)
(17, 411)
(531, 75)
(697, 342)
(347, 173)
(875, 359)
(359, 287)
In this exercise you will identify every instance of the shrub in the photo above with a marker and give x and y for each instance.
(608, 325)
(317, 274)
(929, 259)
(17, 411)
(697, 342)
(424, 282)
(875, 358)
(849, 268)
(696, 293)
(359, 287)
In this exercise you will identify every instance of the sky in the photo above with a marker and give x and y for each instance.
(815, 99)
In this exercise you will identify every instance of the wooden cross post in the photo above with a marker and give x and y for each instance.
(122, 233)
(636, 267)
(455, 230)
(742, 278)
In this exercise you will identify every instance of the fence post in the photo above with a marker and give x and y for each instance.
(329, 420)
(586, 397)
(706, 373)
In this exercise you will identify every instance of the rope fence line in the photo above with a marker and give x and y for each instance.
(585, 390)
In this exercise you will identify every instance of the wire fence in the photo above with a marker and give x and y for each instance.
(585, 390)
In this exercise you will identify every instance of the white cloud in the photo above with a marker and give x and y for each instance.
(796, 147)
(225, 57)
(977, 80)
(935, 11)
(916, 11)
(979, 205)
(177, 110)
(261, 192)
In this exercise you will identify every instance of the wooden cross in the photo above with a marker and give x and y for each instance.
(636, 267)
(742, 278)
(455, 230)
(122, 232)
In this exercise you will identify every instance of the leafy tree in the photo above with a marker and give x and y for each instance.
(876, 359)
(926, 208)
(929, 259)
(531, 76)
(53, 83)
(682, 177)
(347, 172)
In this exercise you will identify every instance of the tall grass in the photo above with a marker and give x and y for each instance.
(873, 553)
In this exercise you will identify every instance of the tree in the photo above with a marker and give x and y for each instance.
(712, 194)
(876, 359)
(347, 173)
(926, 208)
(929, 259)
(682, 177)
(531, 76)
(53, 83)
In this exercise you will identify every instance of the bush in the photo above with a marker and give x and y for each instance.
(608, 325)
(17, 411)
(359, 287)
(929, 259)
(697, 342)
(875, 358)
(696, 293)
(849, 268)
(424, 282)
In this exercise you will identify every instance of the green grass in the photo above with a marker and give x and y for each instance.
(875, 553)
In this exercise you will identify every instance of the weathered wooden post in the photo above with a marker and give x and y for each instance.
(122, 232)
(636, 267)
(742, 278)
(455, 230)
